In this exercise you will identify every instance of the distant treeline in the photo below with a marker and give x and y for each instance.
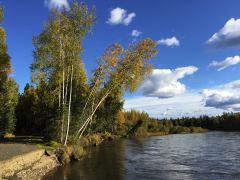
(225, 122)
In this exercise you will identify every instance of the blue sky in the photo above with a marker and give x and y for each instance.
(185, 82)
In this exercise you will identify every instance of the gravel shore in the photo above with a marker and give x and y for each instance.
(21, 161)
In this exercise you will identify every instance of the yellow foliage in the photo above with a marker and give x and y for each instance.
(8, 136)
(120, 118)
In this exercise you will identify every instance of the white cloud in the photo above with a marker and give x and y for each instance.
(233, 85)
(225, 97)
(120, 16)
(57, 4)
(188, 104)
(229, 61)
(164, 83)
(228, 36)
(173, 41)
(136, 33)
(222, 99)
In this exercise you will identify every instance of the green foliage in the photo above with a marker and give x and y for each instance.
(106, 115)
(179, 130)
(152, 126)
(54, 144)
(8, 87)
(57, 48)
(226, 122)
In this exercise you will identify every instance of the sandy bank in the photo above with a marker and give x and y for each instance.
(31, 165)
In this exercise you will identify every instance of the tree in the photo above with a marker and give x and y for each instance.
(121, 118)
(8, 87)
(118, 68)
(28, 122)
(107, 115)
(57, 63)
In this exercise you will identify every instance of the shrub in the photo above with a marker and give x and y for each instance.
(84, 142)
(64, 158)
(63, 154)
(53, 144)
(197, 129)
(78, 152)
(95, 139)
(8, 136)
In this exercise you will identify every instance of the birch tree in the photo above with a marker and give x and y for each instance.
(118, 68)
(56, 55)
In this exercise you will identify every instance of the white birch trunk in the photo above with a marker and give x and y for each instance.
(69, 107)
(95, 109)
(66, 89)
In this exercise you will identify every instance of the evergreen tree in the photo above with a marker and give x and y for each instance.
(27, 121)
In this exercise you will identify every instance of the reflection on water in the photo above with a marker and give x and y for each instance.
(213, 155)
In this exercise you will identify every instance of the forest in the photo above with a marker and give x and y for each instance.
(62, 104)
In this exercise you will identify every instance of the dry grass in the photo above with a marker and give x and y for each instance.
(8, 136)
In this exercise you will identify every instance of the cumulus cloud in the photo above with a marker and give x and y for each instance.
(173, 41)
(225, 97)
(187, 104)
(57, 4)
(229, 61)
(136, 33)
(233, 85)
(222, 99)
(120, 16)
(228, 36)
(164, 83)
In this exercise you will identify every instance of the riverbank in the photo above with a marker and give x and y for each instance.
(33, 161)
(39, 160)
(22, 161)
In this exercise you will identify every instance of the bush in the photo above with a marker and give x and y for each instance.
(197, 129)
(78, 152)
(95, 139)
(64, 158)
(84, 142)
(8, 136)
(91, 140)
(179, 130)
(53, 144)
(142, 131)
(63, 154)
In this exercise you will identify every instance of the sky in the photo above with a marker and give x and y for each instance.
(196, 71)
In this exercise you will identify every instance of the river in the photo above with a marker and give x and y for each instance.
(211, 155)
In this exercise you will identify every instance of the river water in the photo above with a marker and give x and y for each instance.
(211, 155)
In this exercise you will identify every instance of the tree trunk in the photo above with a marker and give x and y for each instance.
(69, 107)
(95, 109)
(66, 89)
